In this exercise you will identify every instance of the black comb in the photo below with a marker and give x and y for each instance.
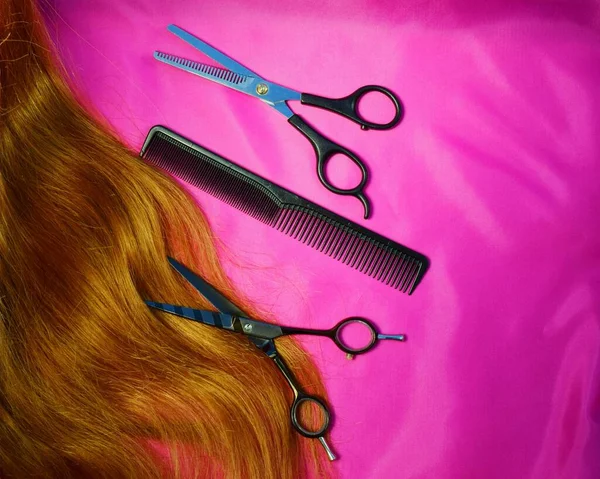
(364, 250)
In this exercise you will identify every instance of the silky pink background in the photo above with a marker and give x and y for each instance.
(493, 174)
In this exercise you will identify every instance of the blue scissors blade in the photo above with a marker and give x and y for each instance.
(211, 52)
(275, 96)
(234, 75)
(219, 75)
(206, 289)
(220, 320)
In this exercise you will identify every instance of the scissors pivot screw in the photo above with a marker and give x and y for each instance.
(247, 327)
(262, 89)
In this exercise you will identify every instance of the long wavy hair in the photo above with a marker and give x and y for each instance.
(92, 382)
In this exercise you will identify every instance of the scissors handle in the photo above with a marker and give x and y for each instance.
(348, 106)
(325, 149)
(364, 341)
(354, 335)
(367, 340)
(300, 397)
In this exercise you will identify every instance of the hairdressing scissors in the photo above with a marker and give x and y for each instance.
(240, 78)
(262, 334)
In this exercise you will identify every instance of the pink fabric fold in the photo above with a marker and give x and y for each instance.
(493, 174)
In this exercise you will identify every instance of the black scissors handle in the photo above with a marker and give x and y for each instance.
(325, 149)
(348, 106)
(368, 335)
(300, 397)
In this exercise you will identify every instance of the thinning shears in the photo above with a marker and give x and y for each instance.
(240, 78)
(352, 335)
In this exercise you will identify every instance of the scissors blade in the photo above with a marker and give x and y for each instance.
(240, 78)
(267, 346)
(211, 52)
(211, 318)
(216, 74)
(260, 334)
(275, 97)
(206, 289)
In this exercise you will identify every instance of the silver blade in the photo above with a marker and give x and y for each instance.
(211, 52)
(216, 74)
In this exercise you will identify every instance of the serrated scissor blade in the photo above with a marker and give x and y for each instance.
(210, 72)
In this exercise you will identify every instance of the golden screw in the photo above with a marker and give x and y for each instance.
(262, 89)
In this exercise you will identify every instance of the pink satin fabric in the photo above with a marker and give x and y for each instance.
(493, 174)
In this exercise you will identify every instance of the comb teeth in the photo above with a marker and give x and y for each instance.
(217, 72)
(382, 259)
(198, 170)
(392, 267)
